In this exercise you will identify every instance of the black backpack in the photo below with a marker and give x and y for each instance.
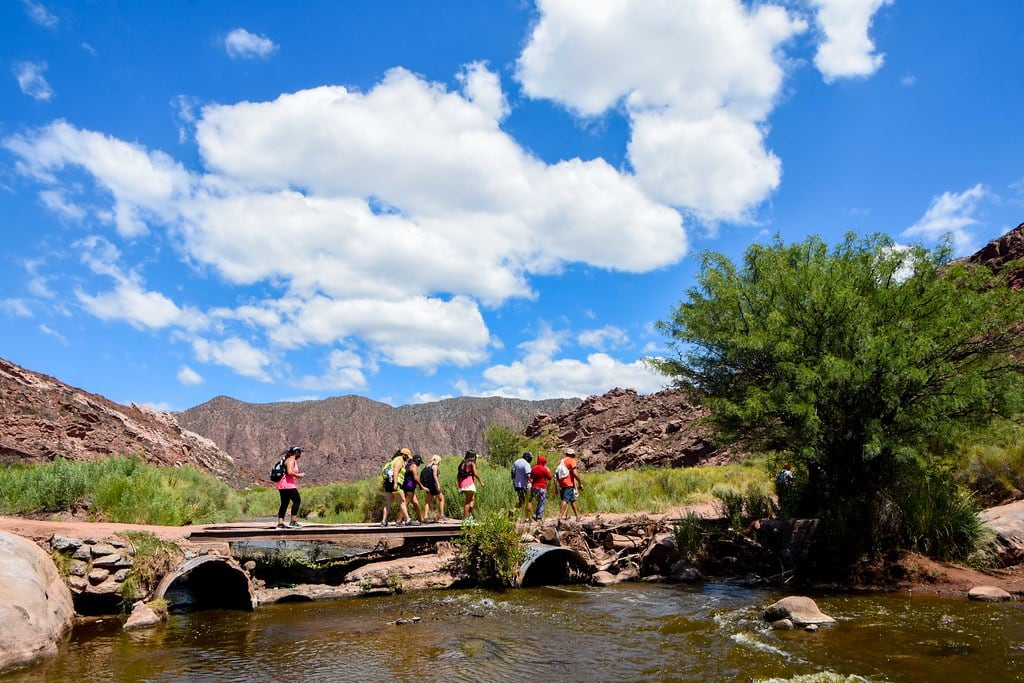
(277, 471)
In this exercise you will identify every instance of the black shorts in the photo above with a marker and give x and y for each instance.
(434, 490)
(389, 487)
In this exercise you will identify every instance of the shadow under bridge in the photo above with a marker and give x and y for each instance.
(548, 565)
(207, 582)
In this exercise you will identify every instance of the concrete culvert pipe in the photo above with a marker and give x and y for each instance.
(207, 582)
(548, 565)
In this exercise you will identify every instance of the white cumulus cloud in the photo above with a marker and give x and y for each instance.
(240, 44)
(541, 374)
(846, 50)
(235, 353)
(31, 80)
(381, 221)
(697, 79)
(189, 377)
(950, 213)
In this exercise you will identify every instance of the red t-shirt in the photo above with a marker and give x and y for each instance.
(539, 477)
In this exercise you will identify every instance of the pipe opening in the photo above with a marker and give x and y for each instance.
(215, 583)
(552, 565)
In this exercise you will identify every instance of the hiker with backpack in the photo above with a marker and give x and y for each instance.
(393, 474)
(467, 479)
(410, 484)
(521, 481)
(430, 477)
(569, 483)
(287, 487)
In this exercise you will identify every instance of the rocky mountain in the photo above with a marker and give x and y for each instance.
(623, 429)
(997, 253)
(42, 418)
(348, 437)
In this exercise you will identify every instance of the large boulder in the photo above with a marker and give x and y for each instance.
(1007, 521)
(36, 610)
(801, 611)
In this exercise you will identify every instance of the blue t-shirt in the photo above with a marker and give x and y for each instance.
(521, 474)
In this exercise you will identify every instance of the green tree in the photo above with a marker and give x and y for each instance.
(863, 364)
(503, 444)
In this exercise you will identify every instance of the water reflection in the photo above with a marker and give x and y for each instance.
(631, 632)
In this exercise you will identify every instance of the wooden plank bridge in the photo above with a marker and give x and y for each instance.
(358, 534)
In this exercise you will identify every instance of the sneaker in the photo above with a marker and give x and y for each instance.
(294, 525)
(413, 522)
(384, 523)
(281, 525)
(442, 519)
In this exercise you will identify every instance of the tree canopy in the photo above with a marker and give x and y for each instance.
(861, 363)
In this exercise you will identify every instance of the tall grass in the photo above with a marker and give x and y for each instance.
(991, 463)
(119, 489)
(657, 490)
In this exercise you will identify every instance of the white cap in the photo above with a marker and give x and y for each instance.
(570, 451)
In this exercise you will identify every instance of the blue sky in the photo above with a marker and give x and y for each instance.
(412, 200)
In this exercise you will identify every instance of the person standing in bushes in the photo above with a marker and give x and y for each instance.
(288, 488)
(569, 483)
(467, 479)
(411, 485)
(521, 482)
(540, 476)
(393, 487)
(431, 478)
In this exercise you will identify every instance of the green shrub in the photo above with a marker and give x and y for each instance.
(757, 502)
(689, 536)
(731, 501)
(503, 445)
(940, 519)
(152, 558)
(995, 473)
(489, 552)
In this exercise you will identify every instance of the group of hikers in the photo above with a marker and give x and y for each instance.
(531, 485)
(405, 474)
(403, 478)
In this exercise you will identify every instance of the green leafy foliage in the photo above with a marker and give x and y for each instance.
(503, 445)
(489, 552)
(853, 362)
(152, 558)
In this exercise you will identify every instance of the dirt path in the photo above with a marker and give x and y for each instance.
(41, 530)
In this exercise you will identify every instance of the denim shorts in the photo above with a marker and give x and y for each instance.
(569, 494)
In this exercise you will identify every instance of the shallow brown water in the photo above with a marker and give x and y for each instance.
(633, 632)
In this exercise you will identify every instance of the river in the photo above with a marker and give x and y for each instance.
(630, 632)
